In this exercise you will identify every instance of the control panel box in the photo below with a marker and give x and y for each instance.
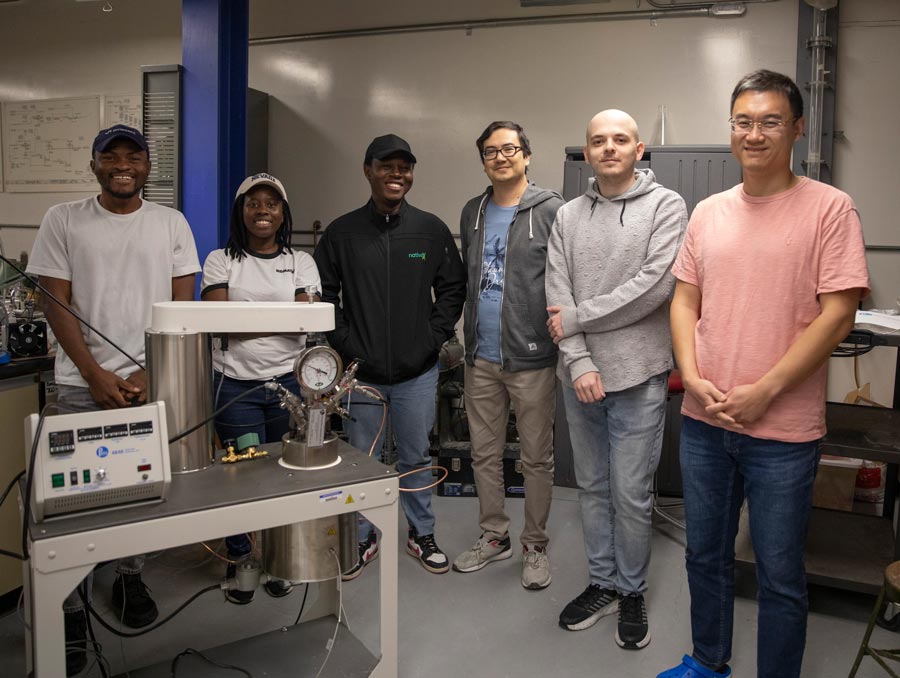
(93, 460)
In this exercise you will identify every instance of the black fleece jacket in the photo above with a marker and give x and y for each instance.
(379, 272)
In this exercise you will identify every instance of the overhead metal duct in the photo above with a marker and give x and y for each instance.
(661, 11)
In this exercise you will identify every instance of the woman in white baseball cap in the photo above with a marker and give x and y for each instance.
(256, 264)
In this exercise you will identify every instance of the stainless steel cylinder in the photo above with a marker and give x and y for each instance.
(298, 454)
(306, 551)
(179, 372)
(348, 533)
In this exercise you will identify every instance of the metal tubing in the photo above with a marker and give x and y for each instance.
(651, 15)
(298, 454)
(179, 369)
(817, 83)
(302, 551)
(348, 533)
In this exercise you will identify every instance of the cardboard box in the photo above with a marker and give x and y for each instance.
(836, 482)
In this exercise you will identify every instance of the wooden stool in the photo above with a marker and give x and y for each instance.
(890, 592)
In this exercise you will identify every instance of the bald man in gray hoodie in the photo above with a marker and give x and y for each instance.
(608, 284)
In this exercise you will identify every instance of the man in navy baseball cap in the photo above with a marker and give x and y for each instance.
(105, 137)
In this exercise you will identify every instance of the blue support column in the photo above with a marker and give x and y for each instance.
(214, 115)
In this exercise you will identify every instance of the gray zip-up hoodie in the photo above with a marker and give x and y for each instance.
(608, 267)
(525, 342)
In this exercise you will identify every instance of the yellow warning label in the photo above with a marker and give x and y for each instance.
(331, 532)
(349, 499)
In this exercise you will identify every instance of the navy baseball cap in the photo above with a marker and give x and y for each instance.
(110, 134)
(383, 146)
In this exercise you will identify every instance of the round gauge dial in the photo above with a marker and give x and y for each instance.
(318, 369)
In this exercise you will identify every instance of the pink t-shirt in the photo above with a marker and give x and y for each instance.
(760, 264)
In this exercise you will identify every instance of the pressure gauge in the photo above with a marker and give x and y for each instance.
(318, 369)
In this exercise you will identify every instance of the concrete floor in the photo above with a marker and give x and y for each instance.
(478, 624)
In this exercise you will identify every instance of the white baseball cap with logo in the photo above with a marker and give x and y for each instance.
(261, 179)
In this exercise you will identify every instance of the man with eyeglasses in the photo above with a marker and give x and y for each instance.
(396, 280)
(608, 290)
(509, 353)
(768, 282)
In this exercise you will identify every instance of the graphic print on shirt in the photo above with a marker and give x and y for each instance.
(492, 270)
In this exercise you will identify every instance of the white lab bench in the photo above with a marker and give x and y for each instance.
(221, 500)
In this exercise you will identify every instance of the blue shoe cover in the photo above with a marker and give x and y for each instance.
(691, 668)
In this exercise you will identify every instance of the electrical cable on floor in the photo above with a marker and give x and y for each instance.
(121, 580)
(124, 634)
(97, 647)
(330, 643)
(20, 611)
(190, 651)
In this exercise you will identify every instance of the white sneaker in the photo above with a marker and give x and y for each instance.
(535, 567)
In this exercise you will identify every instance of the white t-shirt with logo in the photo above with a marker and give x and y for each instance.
(119, 265)
(259, 277)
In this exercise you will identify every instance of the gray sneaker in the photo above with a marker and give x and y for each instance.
(485, 551)
(535, 567)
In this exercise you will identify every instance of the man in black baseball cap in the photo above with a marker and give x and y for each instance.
(388, 145)
(395, 277)
(106, 136)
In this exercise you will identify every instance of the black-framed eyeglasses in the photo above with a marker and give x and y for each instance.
(767, 126)
(507, 151)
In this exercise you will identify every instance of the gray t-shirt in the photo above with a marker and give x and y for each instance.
(119, 266)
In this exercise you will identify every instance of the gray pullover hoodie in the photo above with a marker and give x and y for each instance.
(608, 267)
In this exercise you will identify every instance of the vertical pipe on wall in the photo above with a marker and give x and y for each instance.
(819, 43)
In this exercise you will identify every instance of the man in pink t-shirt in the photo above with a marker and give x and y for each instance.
(768, 282)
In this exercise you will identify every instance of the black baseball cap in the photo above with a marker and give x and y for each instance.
(383, 146)
(106, 136)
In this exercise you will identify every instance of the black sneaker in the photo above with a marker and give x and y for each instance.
(427, 551)
(590, 605)
(633, 632)
(368, 551)
(76, 641)
(132, 601)
(278, 588)
(236, 596)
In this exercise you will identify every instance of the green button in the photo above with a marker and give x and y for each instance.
(58, 480)
(87, 475)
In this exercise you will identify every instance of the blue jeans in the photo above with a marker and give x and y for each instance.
(411, 414)
(259, 413)
(616, 444)
(719, 468)
(78, 399)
